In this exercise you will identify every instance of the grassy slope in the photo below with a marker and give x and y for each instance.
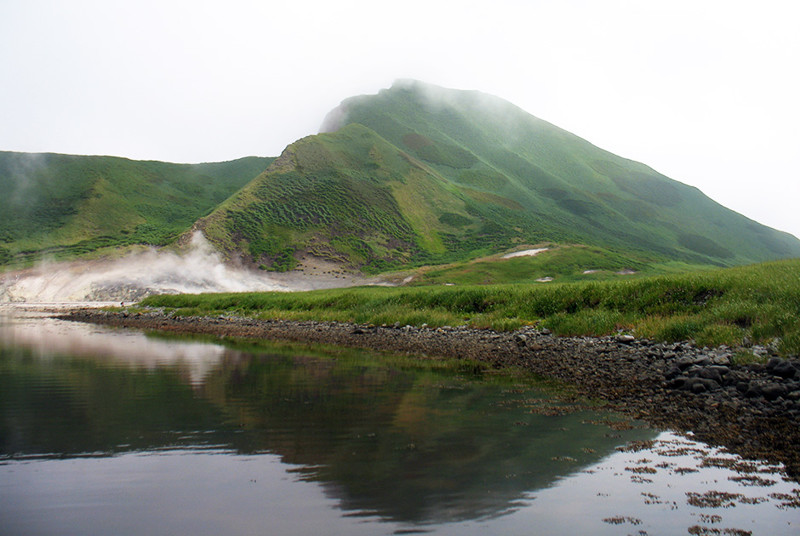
(67, 205)
(353, 197)
(726, 306)
(559, 263)
(595, 197)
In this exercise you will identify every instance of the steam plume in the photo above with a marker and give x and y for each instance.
(135, 276)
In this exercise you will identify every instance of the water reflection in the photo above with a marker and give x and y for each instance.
(407, 445)
(400, 443)
(44, 336)
(99, 424)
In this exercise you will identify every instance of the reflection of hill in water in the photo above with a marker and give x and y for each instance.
(403, 444)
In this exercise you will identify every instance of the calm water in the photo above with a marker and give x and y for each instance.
(113, 432)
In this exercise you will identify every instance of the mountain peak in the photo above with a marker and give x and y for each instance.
(481, 143)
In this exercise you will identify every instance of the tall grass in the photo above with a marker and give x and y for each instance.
(758, 302)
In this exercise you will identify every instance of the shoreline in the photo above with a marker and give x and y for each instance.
(753, 410)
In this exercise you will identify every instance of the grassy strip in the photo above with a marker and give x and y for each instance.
(561, 263)
(758, 303)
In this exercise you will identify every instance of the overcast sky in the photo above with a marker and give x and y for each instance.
(706, 92)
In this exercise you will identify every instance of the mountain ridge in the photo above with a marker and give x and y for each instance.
(559, 173)
(414, 175)
(515, 179)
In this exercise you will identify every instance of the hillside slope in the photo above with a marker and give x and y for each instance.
(65, 205)
(354, 199)
(415, 175)
(491, 147)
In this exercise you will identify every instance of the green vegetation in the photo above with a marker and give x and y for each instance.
(414, 176)
(560, 263)
(353, 198)
(550, 181)
(760, 303)
(64, 206)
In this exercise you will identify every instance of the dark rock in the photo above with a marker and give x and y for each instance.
(721, 369)
(784, 369)
(698, 387)
(710, 373)
(711, 385)
(677, 383)
(672, 372)
(703, 361)
(754, 390)
(772, 391)
(735, 376)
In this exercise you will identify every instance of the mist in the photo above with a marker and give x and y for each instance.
(199, 268)
(20, 181)
(434, 99)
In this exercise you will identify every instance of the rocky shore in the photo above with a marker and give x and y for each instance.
(753, 409)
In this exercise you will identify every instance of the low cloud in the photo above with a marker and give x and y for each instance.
(20, 177)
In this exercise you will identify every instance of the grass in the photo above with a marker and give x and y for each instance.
(63, 206)
(562, 263)
(353, 196)
(493, 147)
(760, 303)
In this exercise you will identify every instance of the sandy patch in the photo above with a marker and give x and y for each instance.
(524, 253)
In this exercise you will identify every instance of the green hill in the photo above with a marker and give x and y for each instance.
(352, 198)
(64, 205)
(415, 175)
(423, 175)
(487, 145)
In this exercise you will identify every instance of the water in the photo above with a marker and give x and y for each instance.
(107, 431)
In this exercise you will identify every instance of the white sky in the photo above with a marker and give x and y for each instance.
(706, 92)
